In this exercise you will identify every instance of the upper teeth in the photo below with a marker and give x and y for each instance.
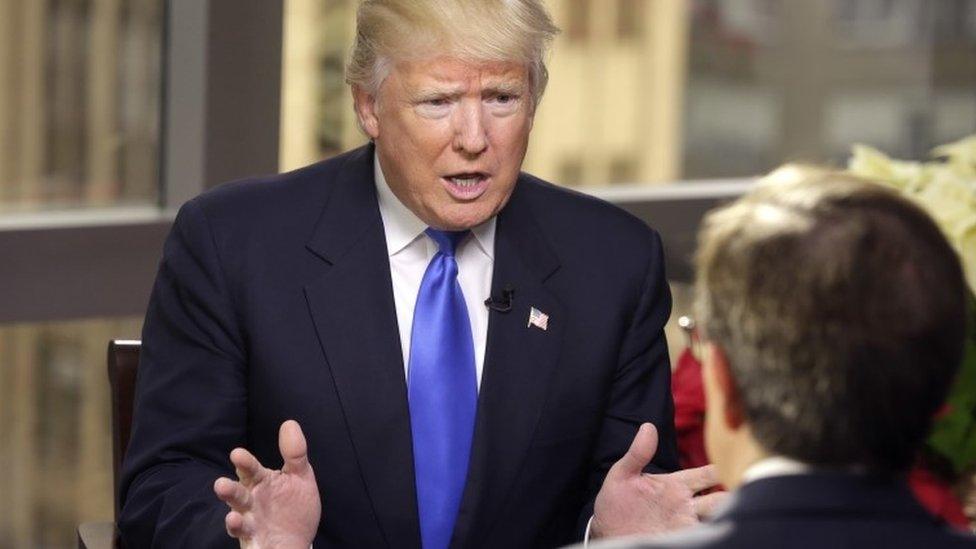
(469, 181)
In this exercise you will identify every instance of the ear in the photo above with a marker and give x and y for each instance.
(365, 105)
(720, 371)
(533, 108)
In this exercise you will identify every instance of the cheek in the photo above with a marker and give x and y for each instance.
(419, 140)
(713, 406)
(513, 128)
(510, 142)
(716, 441)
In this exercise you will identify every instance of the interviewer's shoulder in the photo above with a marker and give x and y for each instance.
(701, 537)
(805, 534)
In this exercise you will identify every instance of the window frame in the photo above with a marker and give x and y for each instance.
(219, 122)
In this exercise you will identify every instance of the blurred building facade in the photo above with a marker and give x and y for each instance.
(79, 126)
(652, 91)
(79, 104)
(642, 91)
(772, 81)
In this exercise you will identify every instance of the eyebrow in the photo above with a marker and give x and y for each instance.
(492, 88)
(436, 92)
(505, 88)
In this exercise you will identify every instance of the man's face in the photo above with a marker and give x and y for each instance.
(720, 442)
(450, 136)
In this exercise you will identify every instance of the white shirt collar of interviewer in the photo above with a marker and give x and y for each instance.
(774, 466)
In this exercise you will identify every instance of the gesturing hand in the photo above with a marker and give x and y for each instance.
(270, 508)
(633, 502)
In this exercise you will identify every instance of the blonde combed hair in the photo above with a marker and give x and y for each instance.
(478, 30)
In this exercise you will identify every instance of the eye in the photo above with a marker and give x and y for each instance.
(504, 98)
(435, 106)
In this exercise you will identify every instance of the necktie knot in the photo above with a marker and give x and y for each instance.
(447, 241)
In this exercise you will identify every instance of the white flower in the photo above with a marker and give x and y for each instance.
(961, 156)
(945, 189)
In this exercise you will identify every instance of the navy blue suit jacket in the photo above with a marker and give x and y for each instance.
(815, 511)
(274, 301)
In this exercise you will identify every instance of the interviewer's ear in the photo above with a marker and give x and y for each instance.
(718, 378)
(365, 105)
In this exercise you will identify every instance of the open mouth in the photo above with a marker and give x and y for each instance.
(466, 185)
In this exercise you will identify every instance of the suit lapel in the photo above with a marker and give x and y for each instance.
(355, 317)
(519, 362)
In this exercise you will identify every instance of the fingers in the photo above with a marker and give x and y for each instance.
(249, 469)
(294, 449)
(294, 452)
(706, 505)
(237, 526)
(233, 494)
(697, 479)
(640, 453)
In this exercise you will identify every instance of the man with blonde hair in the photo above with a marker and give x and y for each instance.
(833, 316)
(467, 349)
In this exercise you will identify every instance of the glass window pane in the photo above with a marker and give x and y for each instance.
(79, 104)
(770, 82)
(55, 430)
(646, 91)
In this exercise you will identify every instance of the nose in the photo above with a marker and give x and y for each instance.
(470, 131)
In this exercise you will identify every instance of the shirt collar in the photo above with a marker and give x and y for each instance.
(402, 226)
(774, 466)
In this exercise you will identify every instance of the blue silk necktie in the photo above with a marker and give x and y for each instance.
(442, 391)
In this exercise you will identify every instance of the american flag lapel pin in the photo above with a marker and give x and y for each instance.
(538, 319)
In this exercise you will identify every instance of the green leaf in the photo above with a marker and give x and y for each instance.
(953, 436)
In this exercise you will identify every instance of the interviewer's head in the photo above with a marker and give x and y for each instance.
(834, 316)
(447, 90)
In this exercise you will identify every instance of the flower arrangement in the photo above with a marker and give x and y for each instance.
(945, 187)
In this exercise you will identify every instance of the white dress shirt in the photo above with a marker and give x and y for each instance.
(411, 250)
(774, 466)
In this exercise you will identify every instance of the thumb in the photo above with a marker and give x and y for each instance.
(294, 449)
(640, 453)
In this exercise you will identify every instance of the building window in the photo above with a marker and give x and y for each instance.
(577, 22)
(79, 104)
(630, 20)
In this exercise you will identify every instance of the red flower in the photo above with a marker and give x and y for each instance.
(689, 410)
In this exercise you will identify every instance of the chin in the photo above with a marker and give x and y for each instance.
(463, 218)
(458, 225)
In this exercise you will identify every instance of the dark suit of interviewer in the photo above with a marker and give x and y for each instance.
(275, 300)
(833, 315)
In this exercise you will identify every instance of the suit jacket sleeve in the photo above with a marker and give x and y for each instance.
(641, 391)
(190, 398)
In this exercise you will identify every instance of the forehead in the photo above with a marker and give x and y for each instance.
(439, 72)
